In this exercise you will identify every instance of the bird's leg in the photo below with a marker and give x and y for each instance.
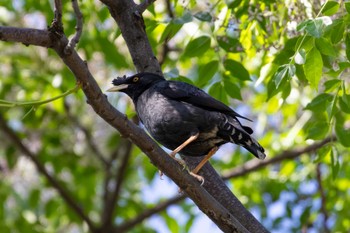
(204, 160)
(188, 141)
(183, 145)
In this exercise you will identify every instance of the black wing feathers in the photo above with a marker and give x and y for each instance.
(185, 92)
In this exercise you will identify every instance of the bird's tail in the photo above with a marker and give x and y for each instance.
(238, 134)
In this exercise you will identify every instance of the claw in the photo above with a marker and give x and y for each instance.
(198, 177)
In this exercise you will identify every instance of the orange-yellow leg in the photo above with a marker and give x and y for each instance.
(183, 145)
(179, 148)
(204, 160)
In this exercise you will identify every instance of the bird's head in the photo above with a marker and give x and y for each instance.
(135, 85)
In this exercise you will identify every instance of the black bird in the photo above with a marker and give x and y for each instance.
(184, 118)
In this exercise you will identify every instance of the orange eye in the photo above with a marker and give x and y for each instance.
(135, 79)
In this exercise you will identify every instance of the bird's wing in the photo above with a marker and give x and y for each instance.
(187, 93)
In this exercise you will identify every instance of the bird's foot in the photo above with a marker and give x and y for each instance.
(198, 177)
(180, 161)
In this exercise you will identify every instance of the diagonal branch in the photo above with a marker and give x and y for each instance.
(254, 165)
(111, 198)
(67, 197)
(128, 225)
(90, 142)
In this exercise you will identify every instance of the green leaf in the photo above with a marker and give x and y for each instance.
(206, 72)
(313, 67)
(169, 32)
(281, 73)
(325, 47)
(229, 44)
(347, 46)
(203, 16)
(347, 6)
(331, 85)
(333, 107)
(232, 89)
(197, 47)
(234, 3)
(300, 57)
(320, 103)
(318, 130)
(343, 134)
(185, 18)
(236, 69)
(344, 103)
(315, 27)
(330, 8)
(337, 31)
(335, 165)
(217, 90)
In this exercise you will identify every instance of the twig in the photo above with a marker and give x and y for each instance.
(111, 198)
(79, 28)
(73, 204)
(90, 141)
(323, 198)
(57, 21)
(254, 165)
(169, 8)
(144, 5)
(128, 225)
(58, 11)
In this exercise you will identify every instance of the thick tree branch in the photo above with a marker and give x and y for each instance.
(26, 36)
(73, 204)
(131, 24)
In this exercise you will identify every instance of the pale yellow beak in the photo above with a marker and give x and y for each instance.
(117, 88)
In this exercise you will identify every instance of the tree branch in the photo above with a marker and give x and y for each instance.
(131, 24)
(73, 204)
(89, 139)
(128, 225)
(254, 165)
(26, 36)
(323, 198)
(144, 5)
(111, 197)
(78, 28)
